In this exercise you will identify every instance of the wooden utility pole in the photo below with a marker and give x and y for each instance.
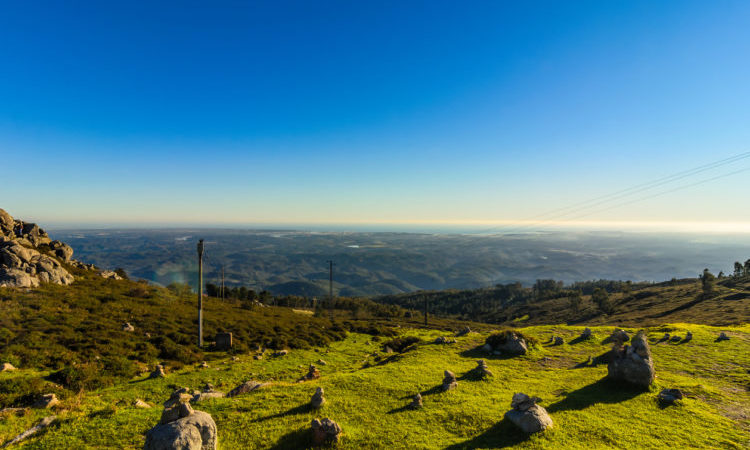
(200, 293)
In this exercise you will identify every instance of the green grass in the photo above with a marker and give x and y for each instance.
(367, 397)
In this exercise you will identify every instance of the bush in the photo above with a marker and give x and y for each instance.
(401, 344)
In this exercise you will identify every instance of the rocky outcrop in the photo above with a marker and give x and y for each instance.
(527, 415)
(507, 342)
(28, 257)
(632, 363)
(481, 370)
(44, 423)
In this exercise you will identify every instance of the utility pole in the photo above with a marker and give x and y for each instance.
(200, 293)
(330, 284)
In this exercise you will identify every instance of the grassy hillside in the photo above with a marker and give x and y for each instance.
(643, 304)
(367, 397)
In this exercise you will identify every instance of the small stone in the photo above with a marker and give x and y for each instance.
(204, 365)
(317, 400)
(6, 367)
(481, 370)
(312, 374)
(321, 362)
(138, 403)
(464, 331)
(128, 327)
(620, 336)
(675, 338)
(325, 431)
(586, 333)
(416, 402)
(281, 353)
(558, 340)
(440, 340)
(722, 337)
(245, 387)
(688, 337)
(257, 357)
(669, 396)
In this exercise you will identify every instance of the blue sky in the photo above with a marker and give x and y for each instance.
(370, 112)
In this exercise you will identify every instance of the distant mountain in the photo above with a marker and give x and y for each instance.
(379, 263)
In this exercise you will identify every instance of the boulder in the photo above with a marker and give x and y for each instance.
(416, 402)
(62, 250)
(325, 431)
(194, 431)
(449, 380)
(6, 367)
(244, 388)
(688, 337)
(527, 415)
(6, 224)
(317, 399)
(620, 336)
(632, 363)
(46, 401)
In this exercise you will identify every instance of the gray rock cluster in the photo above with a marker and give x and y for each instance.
(317, 400)
(557, 340)
(325, 431)
(722, 337)
(527, 415)
(620, 336)
(632, 363)
(449, 380)
(513, 344)
(688, 337)
(181, 427)
(464, 331)
(312, 374)
(158, 372)
(586, 334)
(669, 396)
(442, 340)
(416, 402)
(29, 257)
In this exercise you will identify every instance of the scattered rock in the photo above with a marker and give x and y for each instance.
(110, 275)
(127, 327)
(387, 349)
(325, 431)
(449, 381)
(321, 362)
(558, 340)
(481, 370)
(317, 399)
(257, 357)
(416, 402)
(195, 430)
(46, 401)
(675, 338)
(669, 396)
(664, 338)
(281, 353)
(527, 415)
(200, 396)
(138, 403)
(464, 331)
(688, 337)
(158, 372)
(487, 348)
(586, 333)
(722, 337)
(440, 340)
(507, 342)
(181, 395)
(44, 423)
(632, 363)
(203, 365)
(312, 374)
(620, 336)
(175, 412)
(6, 367)
(244, 388)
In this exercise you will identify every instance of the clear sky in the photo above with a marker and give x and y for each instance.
(372, 112)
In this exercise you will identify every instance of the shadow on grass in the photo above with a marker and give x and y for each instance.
(578, 340)
(604, 358)
(301, 409)
(602, 391)
(296, 439)
(502, 434)
(479, 353)
(402, 409)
